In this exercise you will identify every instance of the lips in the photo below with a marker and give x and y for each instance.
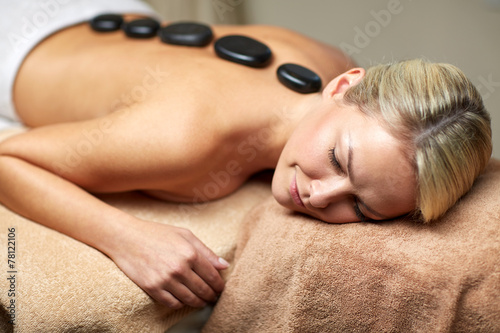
(294, 192)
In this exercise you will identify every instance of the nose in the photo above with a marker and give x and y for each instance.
(328, 191)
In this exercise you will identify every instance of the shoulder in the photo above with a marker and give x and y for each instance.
(291, 46)
(276, 36)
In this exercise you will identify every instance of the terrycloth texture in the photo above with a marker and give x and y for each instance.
(63, 285)
(295, 274)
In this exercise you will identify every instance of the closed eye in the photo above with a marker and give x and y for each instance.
(334, 161)
(358, 212)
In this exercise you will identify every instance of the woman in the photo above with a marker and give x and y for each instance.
(113, 114)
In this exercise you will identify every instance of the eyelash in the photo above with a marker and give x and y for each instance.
(336, 164)
(358, 212)
(333, 159)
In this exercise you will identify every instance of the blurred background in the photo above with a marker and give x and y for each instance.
(465, 33)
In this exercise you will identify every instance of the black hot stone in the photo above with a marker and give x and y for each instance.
(106, 22)
(243, 50)
(186, 33)
(299, 78)
(141, 28)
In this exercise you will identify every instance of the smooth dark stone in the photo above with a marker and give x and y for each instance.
(106, 22)
(141, 28)
(187, 34)
(243, 50)
(299, 78)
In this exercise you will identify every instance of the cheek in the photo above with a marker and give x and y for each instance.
(308, 146)
(307, 140)
(293, 151)
(311, 152)
(281, 175)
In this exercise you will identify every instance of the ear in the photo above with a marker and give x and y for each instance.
(343, 82)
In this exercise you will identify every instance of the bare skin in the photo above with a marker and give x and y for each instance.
(341, 166)
(112, 114)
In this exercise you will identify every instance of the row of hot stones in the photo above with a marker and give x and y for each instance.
(236, 48)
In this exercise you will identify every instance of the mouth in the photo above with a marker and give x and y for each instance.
(294, 192)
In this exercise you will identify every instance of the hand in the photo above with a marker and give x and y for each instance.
(170, 264)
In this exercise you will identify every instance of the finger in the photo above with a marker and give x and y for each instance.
(216, 261)
(185, 295)
(207, 272)
(206, 263)
(199, 287)
(166, 298)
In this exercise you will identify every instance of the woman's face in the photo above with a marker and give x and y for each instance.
(342, 166)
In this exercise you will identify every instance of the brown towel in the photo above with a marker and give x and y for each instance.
(296, 274)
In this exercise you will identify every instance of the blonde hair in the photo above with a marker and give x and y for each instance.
(439, 116)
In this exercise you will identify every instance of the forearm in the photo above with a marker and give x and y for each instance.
(60, 205)
(169, 263)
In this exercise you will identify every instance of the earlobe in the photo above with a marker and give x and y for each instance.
(343, 82)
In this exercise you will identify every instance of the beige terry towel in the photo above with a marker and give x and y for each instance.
(295, 274)
(62, 285)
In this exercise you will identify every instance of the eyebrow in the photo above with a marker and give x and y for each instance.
(350, 153)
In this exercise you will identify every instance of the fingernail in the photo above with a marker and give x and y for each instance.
(224, 262)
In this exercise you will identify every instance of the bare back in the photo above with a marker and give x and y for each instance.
(169, 117)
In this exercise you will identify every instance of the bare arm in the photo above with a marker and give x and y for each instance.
(169, 263)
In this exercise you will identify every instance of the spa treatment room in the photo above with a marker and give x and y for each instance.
(249, 166)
